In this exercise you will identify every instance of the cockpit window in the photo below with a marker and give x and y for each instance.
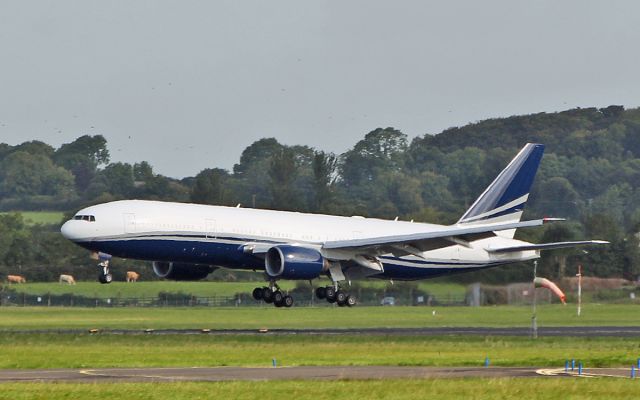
(90, 218)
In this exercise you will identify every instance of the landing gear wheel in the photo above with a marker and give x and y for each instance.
(105, 278)
(105, 275)
(278, 303)
(287, 301)
(341, 297)
(330, 293)
(267, 295)
(257, 293)
(277, 298)
(321, 293)
(351, 301)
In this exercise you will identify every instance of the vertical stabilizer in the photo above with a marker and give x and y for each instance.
(504, 200)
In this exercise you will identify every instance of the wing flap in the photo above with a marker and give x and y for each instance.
(546, 246)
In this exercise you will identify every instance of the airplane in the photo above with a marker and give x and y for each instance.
(188, 241)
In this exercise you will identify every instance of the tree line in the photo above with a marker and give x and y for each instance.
(590, 174)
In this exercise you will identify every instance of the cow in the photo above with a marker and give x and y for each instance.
(132, 276)
(16, 279)
(67, 279)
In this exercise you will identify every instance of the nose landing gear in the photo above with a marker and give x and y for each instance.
(105, 275)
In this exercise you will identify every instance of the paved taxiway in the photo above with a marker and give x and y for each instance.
(584, 331)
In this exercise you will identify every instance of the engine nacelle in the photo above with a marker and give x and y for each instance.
(293, 262)
(181, 271)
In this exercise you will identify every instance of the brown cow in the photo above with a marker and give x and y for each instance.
(16, 279)
(132, 276)
(67, 279)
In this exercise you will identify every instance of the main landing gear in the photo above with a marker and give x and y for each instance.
(332, 295)
(272, 295)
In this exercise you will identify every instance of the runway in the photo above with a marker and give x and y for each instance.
(218, 374)
(580, 331)
(255, 374)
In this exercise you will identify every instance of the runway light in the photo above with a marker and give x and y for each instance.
(633, 371)
(573, 364)
(566, 365)
(263, 330)
(486, 361)
(149, 330)
(579, 368)
(206, 330)
(93, 330)
(274, 363)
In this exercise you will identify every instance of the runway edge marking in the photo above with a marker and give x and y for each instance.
(562, 372)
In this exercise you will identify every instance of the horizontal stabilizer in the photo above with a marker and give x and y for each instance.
(546, 246)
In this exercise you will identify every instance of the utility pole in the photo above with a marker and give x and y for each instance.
(534, 322)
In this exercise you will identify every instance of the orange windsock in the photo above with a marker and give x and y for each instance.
(545, 283)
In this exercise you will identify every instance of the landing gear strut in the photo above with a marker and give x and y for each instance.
(333, 295)
(272, 295)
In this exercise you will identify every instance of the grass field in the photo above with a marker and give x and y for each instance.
(200, 289)
(41, 217)
(53, 350)
(514, 388)
(310, 317)
(99, 350)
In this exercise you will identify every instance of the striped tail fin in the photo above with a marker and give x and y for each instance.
(504, 200)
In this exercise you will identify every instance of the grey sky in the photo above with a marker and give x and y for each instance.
(187, 85)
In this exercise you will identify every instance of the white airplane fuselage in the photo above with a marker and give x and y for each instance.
(222, 236)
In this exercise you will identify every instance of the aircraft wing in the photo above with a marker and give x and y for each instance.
(417, 243)
(546, 246)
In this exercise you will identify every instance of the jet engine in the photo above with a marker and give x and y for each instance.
(294, 262)
(181, 271)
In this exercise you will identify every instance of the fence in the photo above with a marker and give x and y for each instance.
(11, 298)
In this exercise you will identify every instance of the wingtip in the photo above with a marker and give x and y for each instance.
(549, 219)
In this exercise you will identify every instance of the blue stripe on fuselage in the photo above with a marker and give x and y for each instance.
(231, 255)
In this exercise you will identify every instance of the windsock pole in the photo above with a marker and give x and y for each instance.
(534, 322)
(579, 275)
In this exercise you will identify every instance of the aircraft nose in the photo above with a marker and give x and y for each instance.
(67, 230)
